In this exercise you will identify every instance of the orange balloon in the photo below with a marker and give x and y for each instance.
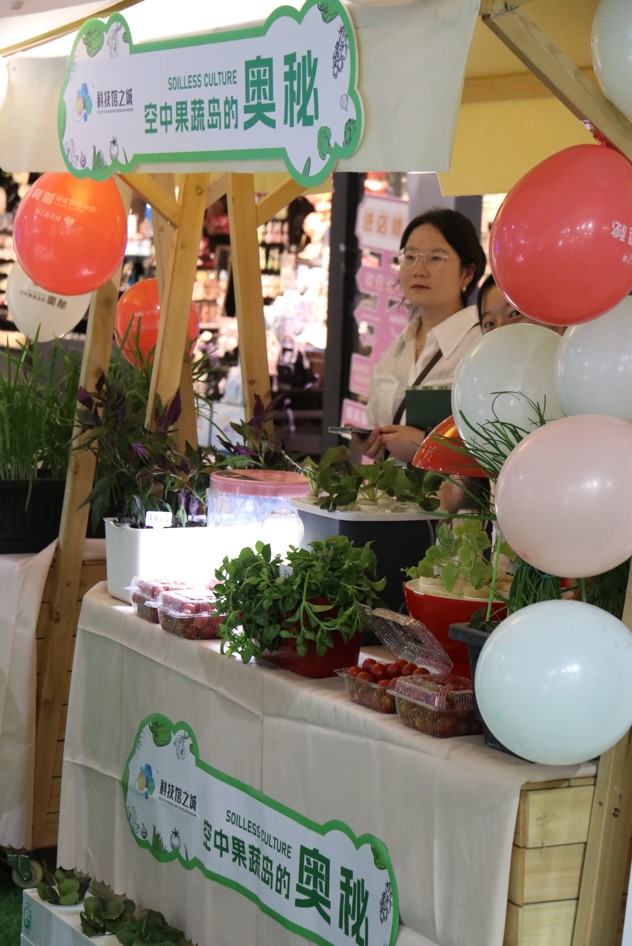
(444, 452)
(137, 317)
(70, 234)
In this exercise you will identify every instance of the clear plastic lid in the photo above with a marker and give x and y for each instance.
(265, 483)
(408, 639)
(150, 588)
(443, 692)
(187, 603)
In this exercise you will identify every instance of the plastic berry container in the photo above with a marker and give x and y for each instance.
(189, 614)
(144, 593)
(440, 705)
(367, 693)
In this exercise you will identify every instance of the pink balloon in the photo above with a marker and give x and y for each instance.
(560, 245)
(564, 496)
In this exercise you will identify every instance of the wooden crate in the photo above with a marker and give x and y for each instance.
(47, 795)
(547, 861)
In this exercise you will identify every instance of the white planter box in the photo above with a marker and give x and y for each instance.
(46, 925)
(180, 554)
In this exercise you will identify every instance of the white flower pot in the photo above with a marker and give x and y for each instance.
(177, 554)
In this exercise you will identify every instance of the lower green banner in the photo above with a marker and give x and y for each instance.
(320, 881)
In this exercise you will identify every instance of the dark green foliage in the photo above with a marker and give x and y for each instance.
(319, 593)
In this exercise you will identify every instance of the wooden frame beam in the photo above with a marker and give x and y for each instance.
(152, 189)
(559, 74)
(176, 300)
(253, 356)
(510, 86)
(270, 205)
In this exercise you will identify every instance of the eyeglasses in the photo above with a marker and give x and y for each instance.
(409, 258)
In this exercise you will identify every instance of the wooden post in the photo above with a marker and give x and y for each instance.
(608, 846)
(253, 358)
(176, 302)
(69, 556)
(164, 242)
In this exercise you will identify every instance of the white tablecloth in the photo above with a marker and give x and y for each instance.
(446, 809)
(22, 580)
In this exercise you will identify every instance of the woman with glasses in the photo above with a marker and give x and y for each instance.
(441, 261)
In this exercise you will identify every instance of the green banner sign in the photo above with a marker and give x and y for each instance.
(286, 90)
(320, 881)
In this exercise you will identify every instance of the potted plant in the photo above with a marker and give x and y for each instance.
(305, 613)
(103, 914)
(62, 888)
(38, 389)
(138, 468)
(383, 503)
(454, 580)
(338, 483)
(149, 928)
(140, 474)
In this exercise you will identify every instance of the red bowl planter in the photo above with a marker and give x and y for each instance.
(342, 654)
(438, 612)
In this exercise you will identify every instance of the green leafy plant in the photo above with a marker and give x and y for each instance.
(337, 482)
(62, 887)
(259, 447)
(457, 560)
(318, 593)
(150, 928)
(138, 468)
(37, 407)
(102, 914)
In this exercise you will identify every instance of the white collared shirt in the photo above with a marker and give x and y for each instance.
(398, 369)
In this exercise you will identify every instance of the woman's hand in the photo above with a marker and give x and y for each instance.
(400, 441)
(370, 446)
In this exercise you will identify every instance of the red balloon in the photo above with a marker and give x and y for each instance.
(70, 233)
(137, 317)
(444, 452)
(561, 244)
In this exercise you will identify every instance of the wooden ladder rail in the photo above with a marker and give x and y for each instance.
(66, 575)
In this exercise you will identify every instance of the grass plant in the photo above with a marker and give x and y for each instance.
(37, 406)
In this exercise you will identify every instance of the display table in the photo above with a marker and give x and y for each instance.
(445, 809)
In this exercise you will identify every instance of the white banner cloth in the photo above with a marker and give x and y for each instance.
(446, 809)
(22, 579)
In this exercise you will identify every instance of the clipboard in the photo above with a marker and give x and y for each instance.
(427, 407)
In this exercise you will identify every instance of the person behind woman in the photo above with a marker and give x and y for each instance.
(441, 261)
(495, 310)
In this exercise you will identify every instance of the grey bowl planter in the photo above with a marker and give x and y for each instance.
(475, 639)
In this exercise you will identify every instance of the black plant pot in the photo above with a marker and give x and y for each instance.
(475, 639)
(29, 527)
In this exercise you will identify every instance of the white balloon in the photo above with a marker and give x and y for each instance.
(495, 378)
(611, 44)
(593, 368)
(554, 682)
(33, 308)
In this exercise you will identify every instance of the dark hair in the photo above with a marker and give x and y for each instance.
(487, 283)
(459, 231)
